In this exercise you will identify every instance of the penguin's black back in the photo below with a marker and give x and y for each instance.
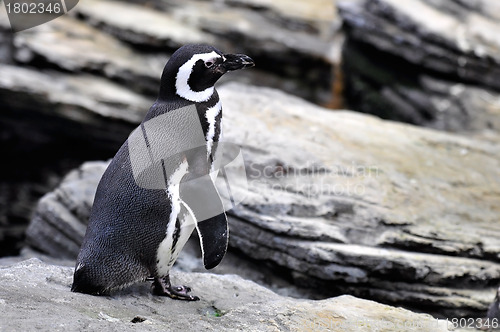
(117, 248)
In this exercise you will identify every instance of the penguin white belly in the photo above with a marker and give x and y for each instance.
(187, 226)
(167, 253)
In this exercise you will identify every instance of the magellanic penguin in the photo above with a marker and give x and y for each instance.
(159, 186)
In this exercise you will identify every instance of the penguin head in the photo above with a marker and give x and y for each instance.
(193, 70)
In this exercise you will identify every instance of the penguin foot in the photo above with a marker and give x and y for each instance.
(162, 287)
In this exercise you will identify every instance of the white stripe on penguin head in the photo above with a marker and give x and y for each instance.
(182, 87)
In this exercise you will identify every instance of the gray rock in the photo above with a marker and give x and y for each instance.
(36, 296)
(82, 97)
(295, 48)
(462, 44)
(51, 122)
(81, 48)
(301, 48)
(347, 203)
(56, 227)
(329, 191)
(428, 62)
(141, 25)
(101, 109)
(74, 46)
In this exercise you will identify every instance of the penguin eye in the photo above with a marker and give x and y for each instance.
(209, 64)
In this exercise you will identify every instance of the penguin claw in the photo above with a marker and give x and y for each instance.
(162, 287)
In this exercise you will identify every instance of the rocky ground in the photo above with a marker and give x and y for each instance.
(337, 202)
(238, 305)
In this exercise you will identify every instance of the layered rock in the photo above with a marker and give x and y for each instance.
(35, 294)
(346, 203)
(432, 63)
(295, 49)
(51, 122)
(301, 48)
(62, 211)
(71, 45)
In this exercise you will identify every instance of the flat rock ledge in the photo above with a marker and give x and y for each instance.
(36, 296)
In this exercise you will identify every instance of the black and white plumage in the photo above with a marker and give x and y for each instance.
(142, 216)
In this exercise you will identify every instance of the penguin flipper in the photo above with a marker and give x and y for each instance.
(213, 234)
(203, 201)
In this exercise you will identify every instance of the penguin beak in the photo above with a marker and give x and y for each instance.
(236, 61)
